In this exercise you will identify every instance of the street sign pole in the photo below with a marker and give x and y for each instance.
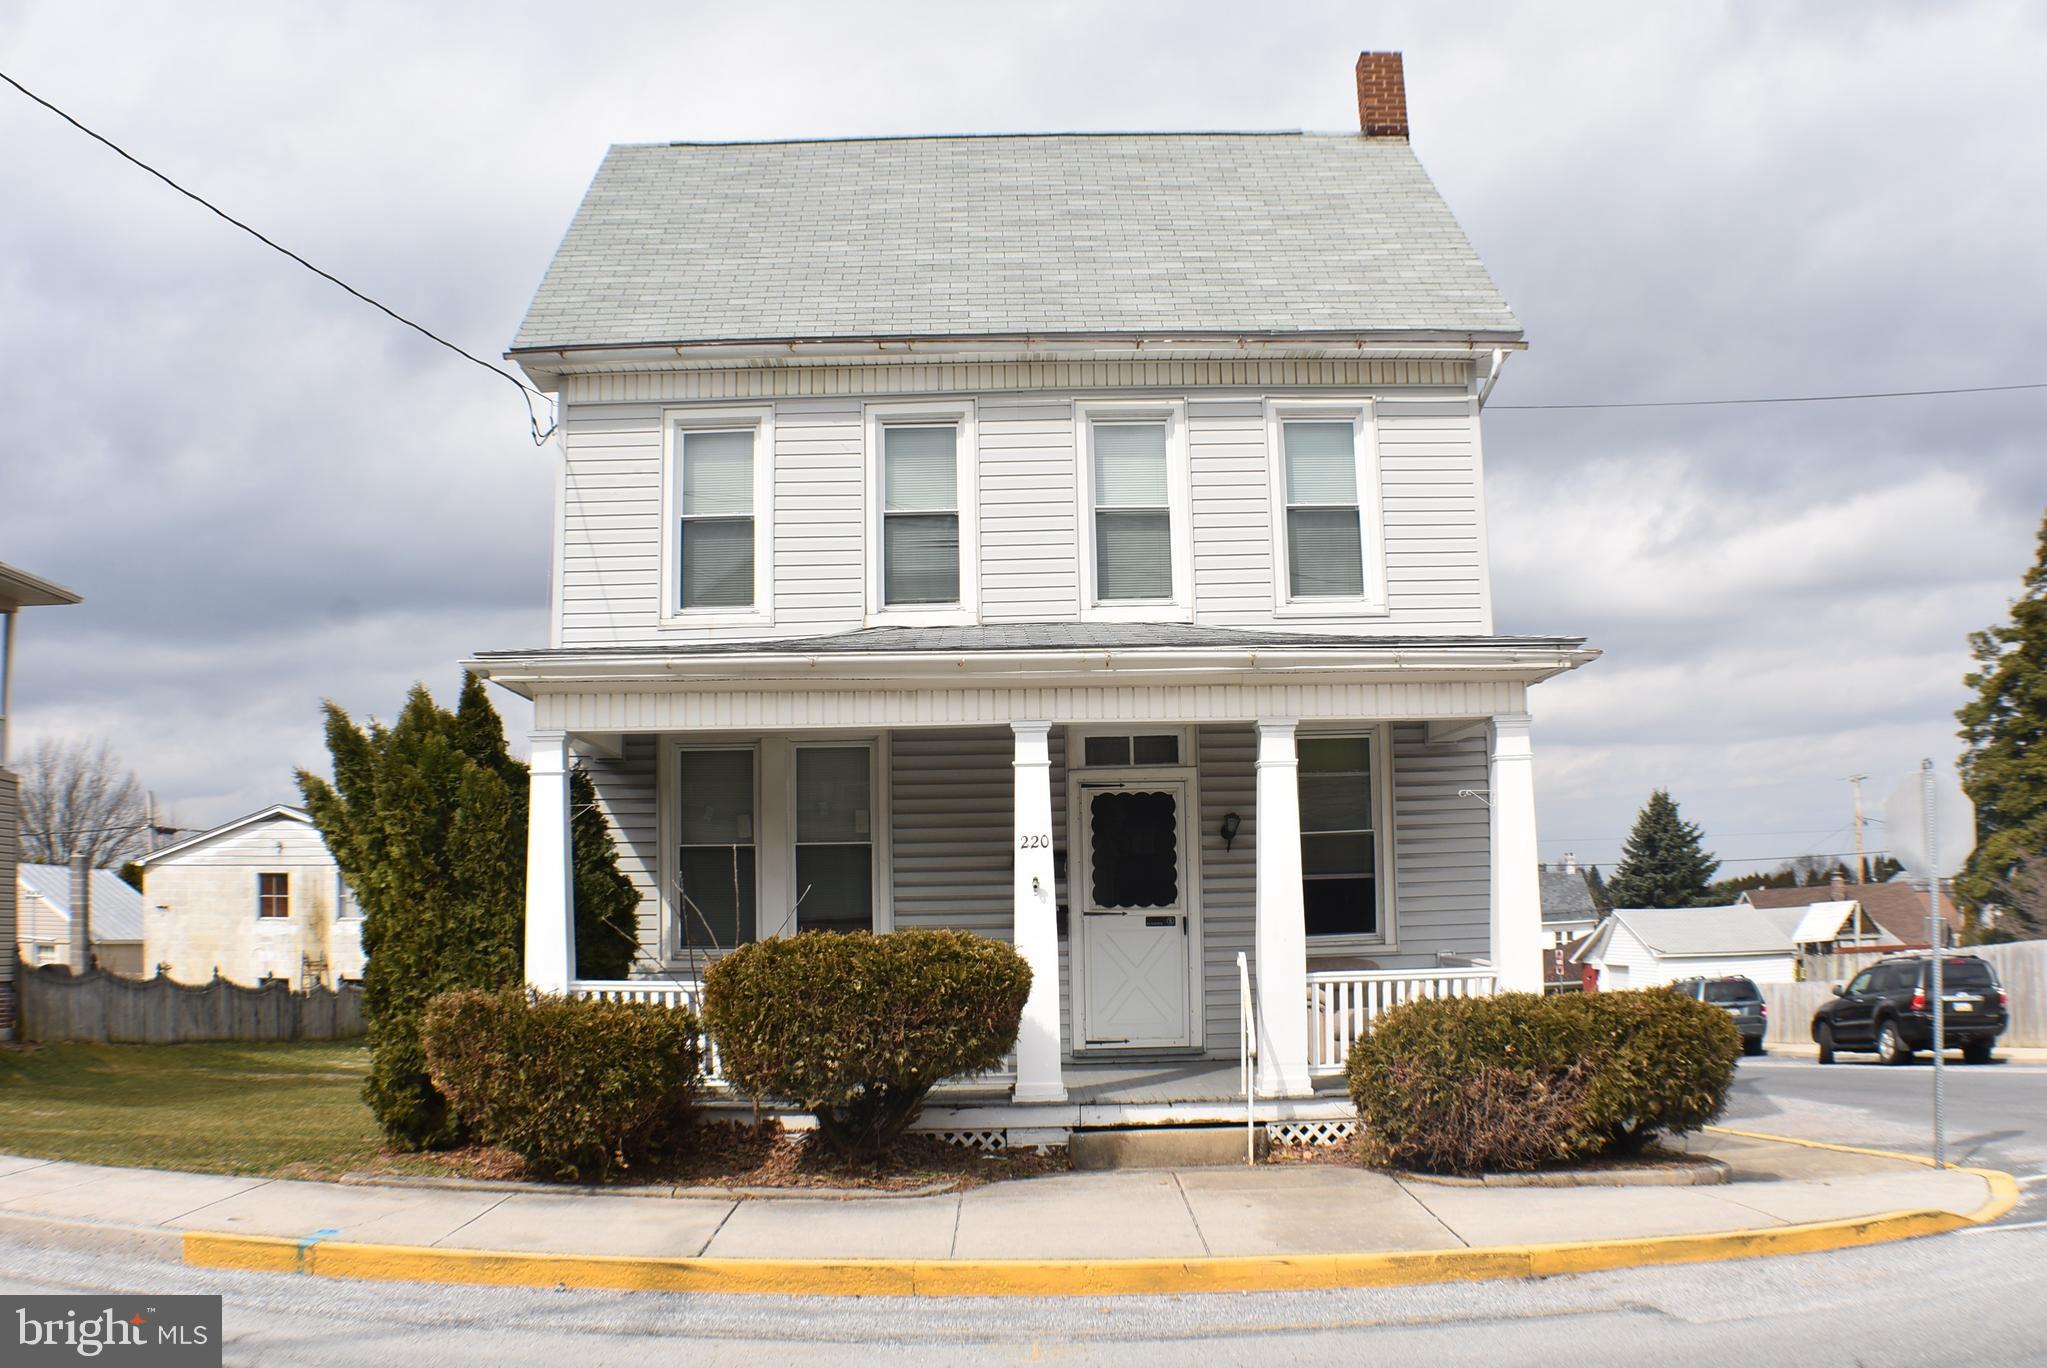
(1935, 939)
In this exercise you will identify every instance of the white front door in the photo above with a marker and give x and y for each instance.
(1138, 949)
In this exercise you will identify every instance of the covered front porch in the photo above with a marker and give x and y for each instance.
(1207, 862)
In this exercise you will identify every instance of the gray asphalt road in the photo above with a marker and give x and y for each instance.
(1996, 1113)
(1966, 1298)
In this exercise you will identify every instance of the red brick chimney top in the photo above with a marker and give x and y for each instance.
(1382, 96)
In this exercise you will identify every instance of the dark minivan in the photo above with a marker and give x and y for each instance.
(1885, 1010)
(1742, 1000)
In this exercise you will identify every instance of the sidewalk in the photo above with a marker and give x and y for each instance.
(1282, 1215)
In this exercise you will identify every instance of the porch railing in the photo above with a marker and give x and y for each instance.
(665, 992)
(1342, 1003)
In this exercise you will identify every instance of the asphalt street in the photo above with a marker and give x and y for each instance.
(1966, 1298)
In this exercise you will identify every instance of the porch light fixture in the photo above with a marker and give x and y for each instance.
(1232, 824)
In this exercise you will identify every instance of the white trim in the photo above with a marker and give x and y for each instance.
(1380, 757)
(1077, 782)
(1179, 508)
(1371, 506)
(1485, 562)
(761, 418)
(967, 467)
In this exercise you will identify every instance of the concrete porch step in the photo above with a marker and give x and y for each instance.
(1144, 1147)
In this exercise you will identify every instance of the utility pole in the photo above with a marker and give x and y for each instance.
(1861, 870)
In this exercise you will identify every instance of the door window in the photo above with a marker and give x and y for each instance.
(834, 839)
(1134, 849)
(716, 867)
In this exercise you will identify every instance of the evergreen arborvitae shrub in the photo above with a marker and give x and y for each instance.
(576, 1088)
(857, 1028)
(426, 818)
(1522, 1081)
(2004, 766)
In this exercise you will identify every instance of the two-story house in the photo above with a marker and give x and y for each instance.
(1077, 539)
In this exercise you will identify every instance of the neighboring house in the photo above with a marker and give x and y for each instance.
(1897, 909)
(18, 590)
(1634, 948)
(1075, 539)
(113, 919)
(1569, 914)
(259, 898)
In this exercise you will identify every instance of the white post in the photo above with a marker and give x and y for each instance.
(1517, 887)
(550, 875)
(1281, 938)
(1036, 933)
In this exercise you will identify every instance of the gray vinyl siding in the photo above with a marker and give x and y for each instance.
(1227, 758)
(1029, 511)
(626, 795)
(1442, 849)
(1030, 531)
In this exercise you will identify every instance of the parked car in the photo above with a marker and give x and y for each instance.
(1886, 1009)
(1743, 1001)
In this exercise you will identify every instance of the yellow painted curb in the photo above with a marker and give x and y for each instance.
(1085, 1277)
(2004, 1189)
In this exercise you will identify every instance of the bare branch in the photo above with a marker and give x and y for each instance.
(77, 796)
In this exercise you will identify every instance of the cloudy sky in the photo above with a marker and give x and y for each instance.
(270, 494)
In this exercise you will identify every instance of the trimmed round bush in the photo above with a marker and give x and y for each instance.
(576, 1088)
(1522, 1081)
(856, 1028)
(1665, 1062)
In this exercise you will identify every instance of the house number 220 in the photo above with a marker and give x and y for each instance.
(1033, 842)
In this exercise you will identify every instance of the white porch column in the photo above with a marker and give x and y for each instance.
(1036, 934)
(550, 875)
(1517, 891)
(1281, 937)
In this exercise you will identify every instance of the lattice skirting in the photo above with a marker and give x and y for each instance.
(1310, 1132)
(985, 1141)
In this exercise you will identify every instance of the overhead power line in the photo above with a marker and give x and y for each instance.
(1775, 399)
(526, 391)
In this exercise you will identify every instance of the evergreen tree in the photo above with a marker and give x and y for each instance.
(2004, 760)
(427, 820)
(1662, 862)
(1597, 887)
(1882, 868)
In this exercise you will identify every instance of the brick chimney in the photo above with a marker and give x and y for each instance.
(1382, 96)
(1838, 886)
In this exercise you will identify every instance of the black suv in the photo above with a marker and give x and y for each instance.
(1884, 1009)
(1743, 1001)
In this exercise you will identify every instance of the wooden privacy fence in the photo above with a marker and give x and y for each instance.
(58, 1005)
(2021, 970)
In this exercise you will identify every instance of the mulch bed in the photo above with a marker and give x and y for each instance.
(736, 1154)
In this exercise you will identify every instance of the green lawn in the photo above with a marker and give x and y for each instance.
(217, 1108)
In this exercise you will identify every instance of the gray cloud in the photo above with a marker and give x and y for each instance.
(271, 495)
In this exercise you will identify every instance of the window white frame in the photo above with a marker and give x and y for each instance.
(878, 824)
(674, 423)
(1371, 506)
(1077, 738)
(1179, 496)
(878, 417)
(1380, 757)
(668, 806)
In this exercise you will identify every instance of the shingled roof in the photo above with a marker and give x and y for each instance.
(1146, 234)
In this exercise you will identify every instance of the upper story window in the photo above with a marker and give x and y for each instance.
(1136, 522)
(1328, 539)
(717, 566)
(922, 494)
(273, 895)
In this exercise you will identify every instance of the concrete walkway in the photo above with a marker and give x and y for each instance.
(1154, 1214)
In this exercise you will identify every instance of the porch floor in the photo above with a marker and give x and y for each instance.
(1126, 1082)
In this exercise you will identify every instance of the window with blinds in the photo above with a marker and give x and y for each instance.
(715, 545)
(1324, 535)
(834, 839)
(1132, 513)
(1339, 841)
(716, 864)
(920, 520)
